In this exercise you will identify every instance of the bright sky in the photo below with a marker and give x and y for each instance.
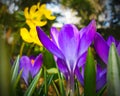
(68, 15)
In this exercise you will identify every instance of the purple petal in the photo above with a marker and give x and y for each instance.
(110, 40)
(101, 47)
(87, 37)
(101, 82)
(62, 67)
(37, 65)
(99, 70)
(32, 57)
(68, 41)
(85, 29)
(82, 60)
(54, 34)
(79, 76)
(48, 44)
(25, 64)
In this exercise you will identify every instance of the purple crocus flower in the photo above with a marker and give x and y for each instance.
(30, 65)
(69, 46)
(102, 46)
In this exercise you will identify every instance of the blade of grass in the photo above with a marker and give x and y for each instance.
(17, 79)
(56, 89)
(45, 81)
(62, 90)
(15, 69)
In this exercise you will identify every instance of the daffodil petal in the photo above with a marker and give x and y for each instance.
(30, 23)
(33, 9)
(40, 23)
(34, 36)
(25, 35)
(26, 13)
(43, 6)
(38, 5)
(48, 15)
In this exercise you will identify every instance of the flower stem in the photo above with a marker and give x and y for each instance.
(21, 49)
(31, 46)
(71, 84)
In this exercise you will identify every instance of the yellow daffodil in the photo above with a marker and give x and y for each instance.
(30, 36)
(34, 15)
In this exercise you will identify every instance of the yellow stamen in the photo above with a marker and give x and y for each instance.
(32, 61)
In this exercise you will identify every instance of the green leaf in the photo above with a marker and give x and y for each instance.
(90, 76)
(52, 71)
(113, 72)
(15, 69)
(33, 84)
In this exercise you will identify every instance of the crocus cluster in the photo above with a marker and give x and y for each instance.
(69, 46)
(30, 65)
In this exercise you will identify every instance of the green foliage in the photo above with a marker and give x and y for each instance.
(113, 75)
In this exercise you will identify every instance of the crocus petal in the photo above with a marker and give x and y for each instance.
(79, 76)
(48, 44)
(99, 70)
(54, 35)
(37, 65)
(62, 67)
(85, 29)
(110, 40)
(87, 37)
(25, 35)
(67, 41)
(25, 64)
(82, 60)
(101, 47)
(101, 82)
